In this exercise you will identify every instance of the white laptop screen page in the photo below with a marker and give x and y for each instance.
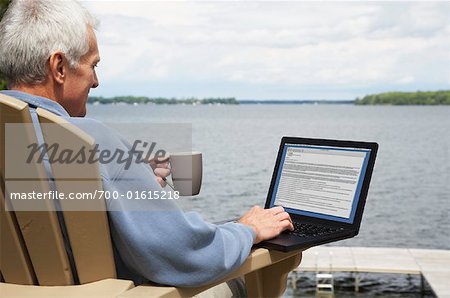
(320, 181)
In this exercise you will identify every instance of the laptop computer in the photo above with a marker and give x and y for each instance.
(323, 185)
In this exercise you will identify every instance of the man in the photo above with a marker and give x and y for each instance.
(49, 54)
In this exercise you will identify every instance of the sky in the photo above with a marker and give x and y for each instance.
(271, 49)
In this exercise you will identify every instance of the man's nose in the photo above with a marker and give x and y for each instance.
(95, 84)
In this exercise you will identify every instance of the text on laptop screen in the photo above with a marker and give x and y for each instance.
(320, 181)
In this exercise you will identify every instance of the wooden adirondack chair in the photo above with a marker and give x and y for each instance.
(34, 258)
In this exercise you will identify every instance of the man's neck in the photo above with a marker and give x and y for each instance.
(41, 90)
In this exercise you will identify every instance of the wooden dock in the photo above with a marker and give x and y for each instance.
(432, 264)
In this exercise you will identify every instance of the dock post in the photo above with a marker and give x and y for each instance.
(356, 282)
(294, 279)
(422, 286)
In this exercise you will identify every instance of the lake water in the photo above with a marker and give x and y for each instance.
(409, 198)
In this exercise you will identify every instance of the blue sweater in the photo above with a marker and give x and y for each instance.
(154, 239)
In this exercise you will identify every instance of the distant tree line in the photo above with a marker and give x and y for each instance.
(407, 98)
(161, 100)
(3, 6)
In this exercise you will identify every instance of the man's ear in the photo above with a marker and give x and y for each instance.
(58, 67)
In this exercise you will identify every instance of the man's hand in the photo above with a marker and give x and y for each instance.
(160, 167)
(267, 223)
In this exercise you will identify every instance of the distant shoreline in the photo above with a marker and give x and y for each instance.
(238, 102)
(441, 97)
(205, 101)
(282, 101)
(389, 98)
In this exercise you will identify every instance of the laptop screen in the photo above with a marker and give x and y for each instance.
(320, 181)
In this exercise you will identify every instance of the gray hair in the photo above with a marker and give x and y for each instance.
(31, 30)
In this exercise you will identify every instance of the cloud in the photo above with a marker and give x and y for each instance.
(299, 47)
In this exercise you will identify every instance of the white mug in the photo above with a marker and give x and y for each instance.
(187, 169)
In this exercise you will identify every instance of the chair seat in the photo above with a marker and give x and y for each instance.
(101, 289)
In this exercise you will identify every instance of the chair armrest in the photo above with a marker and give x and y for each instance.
(105, 288)
(265, 272)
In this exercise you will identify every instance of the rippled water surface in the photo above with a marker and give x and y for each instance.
(409, 198)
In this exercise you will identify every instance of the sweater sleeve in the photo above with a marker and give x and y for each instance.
(177, 248)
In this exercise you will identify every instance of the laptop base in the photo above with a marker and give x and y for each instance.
(288, 242)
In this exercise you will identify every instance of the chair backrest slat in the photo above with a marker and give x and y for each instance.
(15, 264)
(86, 220)
(39, 229)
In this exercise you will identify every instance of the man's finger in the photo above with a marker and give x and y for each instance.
(161, 181)
(283, 216)
(162, 172)
(162, 159)
(164, 164)
(287, 224)
(276, 210)
(158, 160)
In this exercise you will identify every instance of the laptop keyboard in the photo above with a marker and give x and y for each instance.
(310, 230)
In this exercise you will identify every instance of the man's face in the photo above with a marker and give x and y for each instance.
(81, 79)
